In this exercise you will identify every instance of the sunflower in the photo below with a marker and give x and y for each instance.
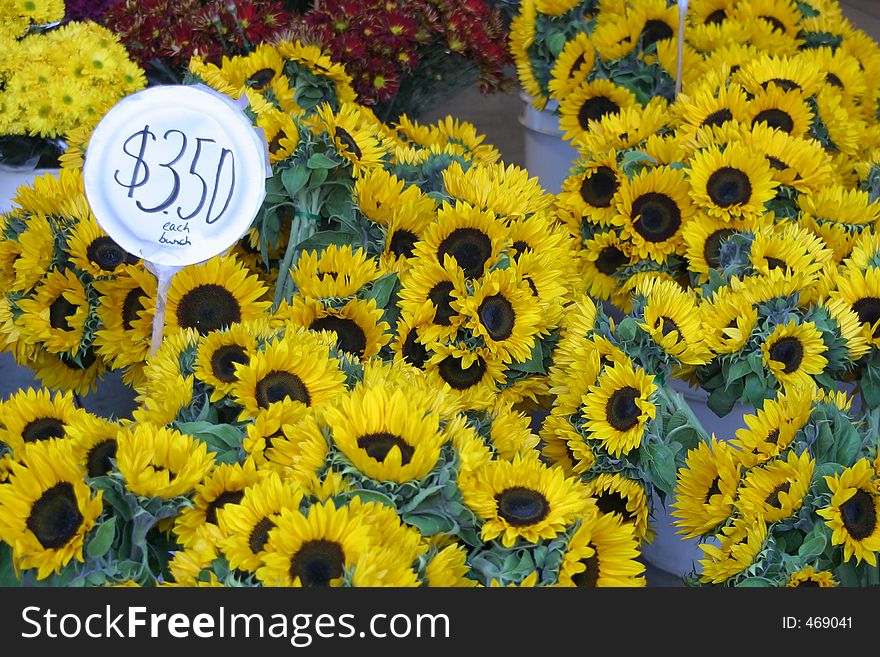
(706, 488)
(776, 490)
(838, 215)
(602, 552)
(318, 63)
(55, 317)
(612, 36)
(337, 271)
(213, 296)
(507, 190)
(843, 128)
(703, 238)
(320, 546)
(794, 354)
(474, 377)
(256, 70)
(792, 249)
(471, 237)
(281, 132)
(46, 509)
(711, 12)
(786, 111)
(782, 16)
(740, 543)
(502, 312)
(590, 191)
(728, 321)
(800, 163)
(786, 73)
(772, 429)
(524, 499)
(606, 255)
(126, 304)
(449, 568)
(809, 577)
(521, 39)
(354, 139)
(94, 443)
(555, 7)
(732, 183)
(618, 407)
(360, 331)
(672, 318)
(409, 345)
(631, 127)
(589, 102)
(572, 67)
(160, 462)
(653, 207)
(712, 106)
(559, 443)
(842, 72)
(224, 485)
(31, 416)
(852, 512)
(219, 353)
(269, 426)
(654, 21)
(626, 498)
(193, 567)
(387, 435)
(296, 367)
(30, 257)
(93, 251)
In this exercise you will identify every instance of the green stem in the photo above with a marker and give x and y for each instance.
(301, 228)
(677, 402)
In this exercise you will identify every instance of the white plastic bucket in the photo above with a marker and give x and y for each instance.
(11, 180)
(548, 156)
(670, 551)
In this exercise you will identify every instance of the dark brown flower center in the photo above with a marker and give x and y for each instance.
(260, 535)
(728, 186)
(60, 311)
(621, 410)
(348, 142)
(654, 31)
(716, 17)
(260, 79)
(833, 80)
(441, 296)
(279, 385)
(868, 310)
(599, 188)
(776, 163)
(712, 246)
(131, 306)
(414, 352)
(589, 577)
(451, 371)
(521, 506)
(718, 118)
(98, 458)
(713, 489)
(317, 562)
(859, 515)
(576, 65)
(402, 243)
(349, 336)
(775, 263)
(773, 498)
(666, 325)
(224, 498)
(782, 83)
(775, 118)
(772, 437)
(519, 247)
(224, 359)
(595, 108)
(610, 501)
(107, 254)
(497, 316)
(470, 247)
(610, 260)
(808, 583)
(778, 25)
(43, 428)
(789, 351)
(55, 518)
(377, 446)
(208, 307)
(656, 217)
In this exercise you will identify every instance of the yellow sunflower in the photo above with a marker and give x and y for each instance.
(160, 462)
(522, 37)
(219, 353)
(590, 191)
(55, 317)
(360, 331)
(524, 499)
(268, 426)
(319, 64)
(94, 443)
(606, 255)
(296, 367)
(776, 490)
(838, 215)
(388, 436)
(474, 377)
(773, 427)
(860, 291)
(281, 132)
(625, 498)
(842, 71)
(572, 66)
(31, 416)
(728, 320)
(852, 512)
(449, 568)
(602, 552)
(672, 318)
(703, 238)
(618, 407)
(786, 111)
(256, 70)
(792, 249)
(800, 163)
(29, 258)
(740, 543)
(46, 509)
(355, 140)
(213, 296)
(785, 73)
(337, 271)
(794, 354)
(589, 102)
(810, 577)
(126, 304)
(93, 251)
(706, 488)
(299, 450)
(712, 106)
(564, 447)
(732, 183)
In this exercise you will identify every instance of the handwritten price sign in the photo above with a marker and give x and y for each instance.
(175, 174)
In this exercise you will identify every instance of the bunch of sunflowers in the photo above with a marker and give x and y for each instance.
(55, 79)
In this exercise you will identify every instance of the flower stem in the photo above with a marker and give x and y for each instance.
(302, 227)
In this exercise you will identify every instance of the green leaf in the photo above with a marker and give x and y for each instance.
(317, 178)
(721, 401)
(739, 369)
(102, 540)
(627, 329)
(847, 575)
(660, 460)
(756, 582)
(755, 391)
(870, 384)
(294, 179)
(321, 161)
(814, 544)
(7, 572)
(382, 288)
(556, 42)
(535, 364)
(319, 241)
(847, 444)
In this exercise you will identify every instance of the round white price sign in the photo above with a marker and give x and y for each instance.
(175, 174)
